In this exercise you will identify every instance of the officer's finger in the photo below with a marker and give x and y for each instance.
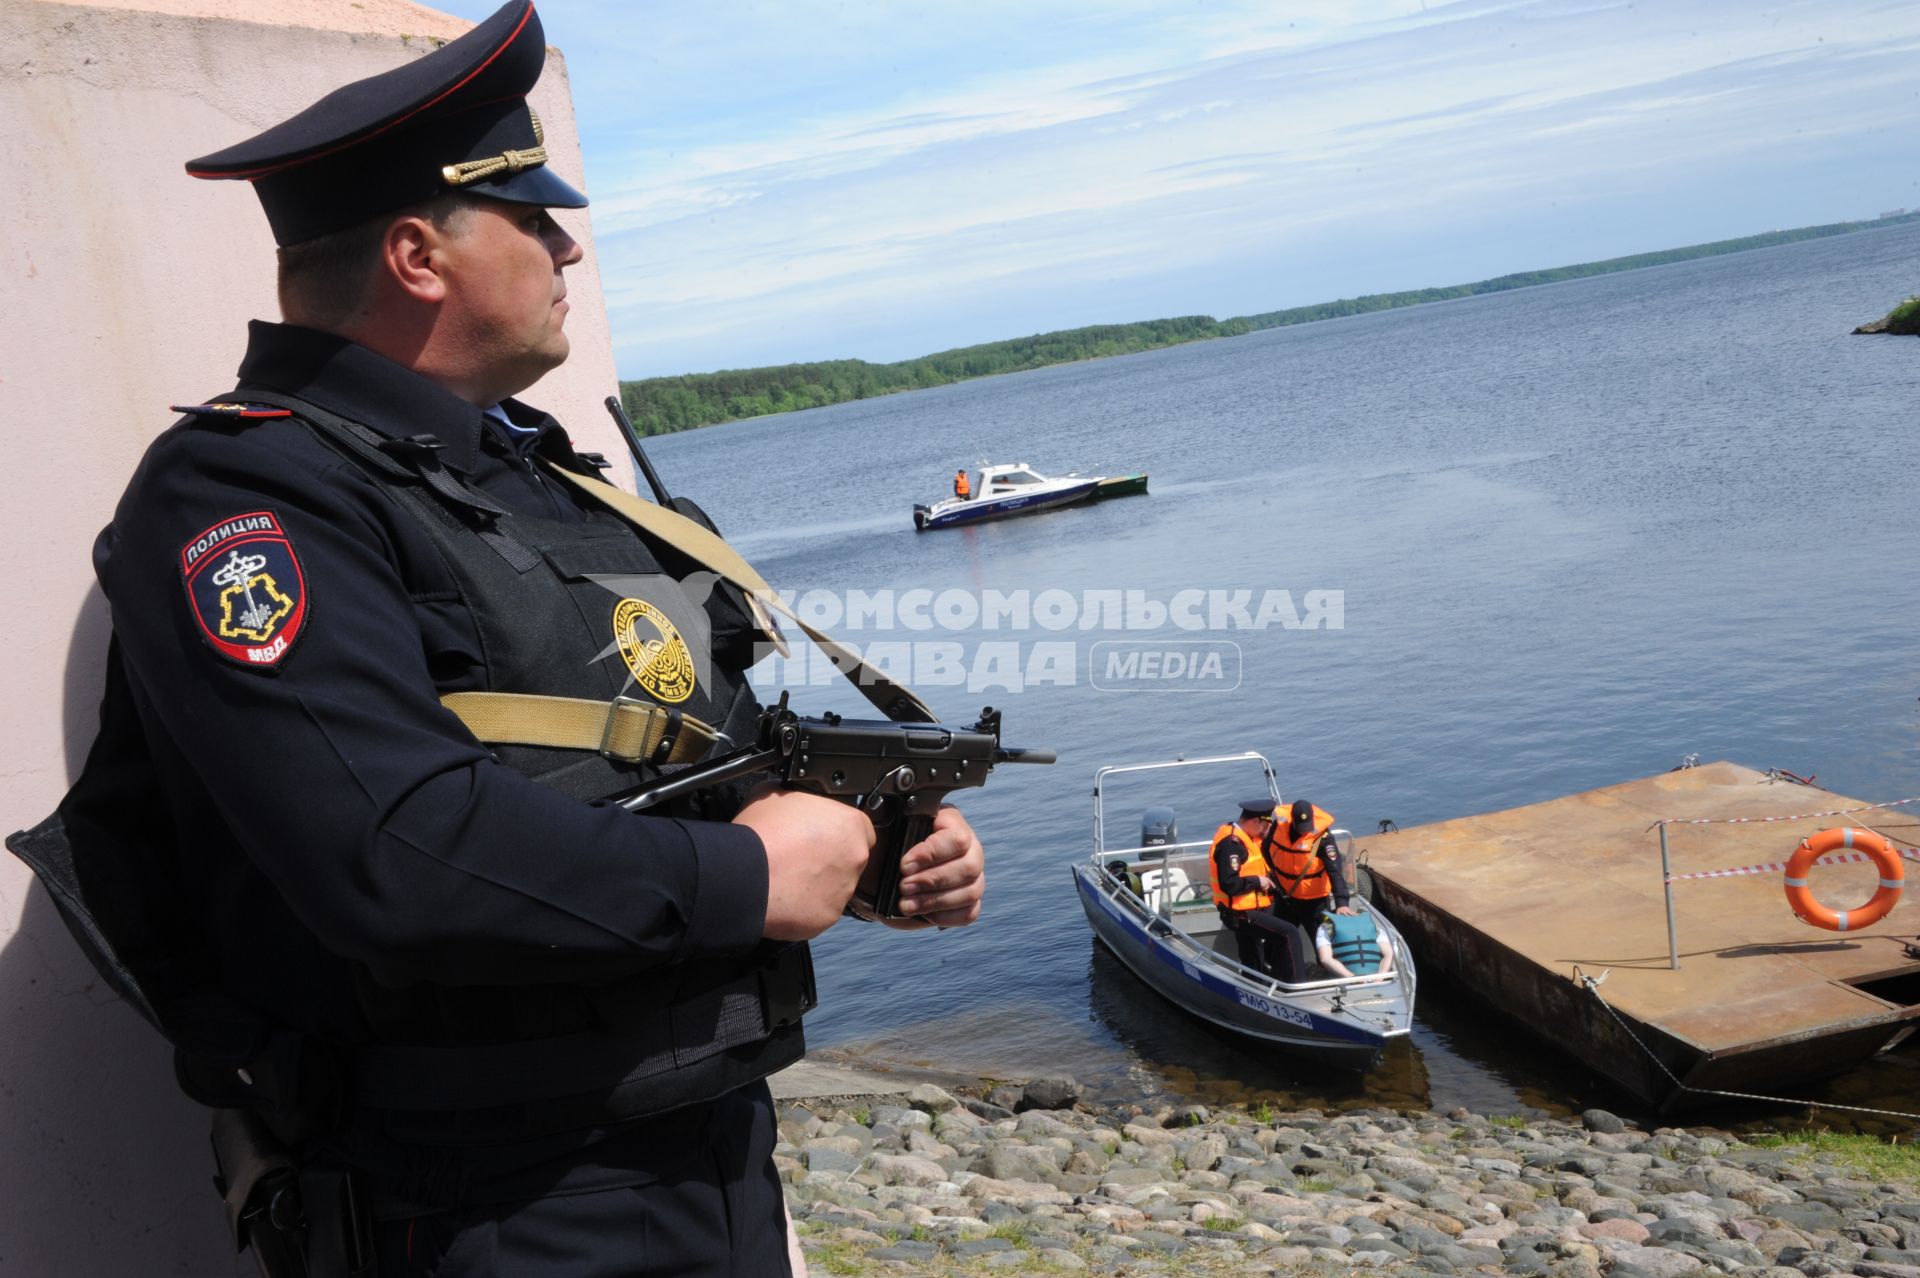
(952, 886)
(953, 876)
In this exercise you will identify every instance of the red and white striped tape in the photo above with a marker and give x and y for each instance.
(1779, 867)
(1798, 816)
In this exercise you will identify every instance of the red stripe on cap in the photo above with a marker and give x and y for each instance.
(255, 174)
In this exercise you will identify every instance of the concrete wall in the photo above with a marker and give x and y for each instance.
(126, 286)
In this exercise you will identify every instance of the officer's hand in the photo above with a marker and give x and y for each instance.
(1345, 909)
(943, 877)
(816, 848)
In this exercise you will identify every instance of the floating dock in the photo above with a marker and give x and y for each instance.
(1520, 906)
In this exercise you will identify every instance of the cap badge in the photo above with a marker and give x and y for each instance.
(509, 161)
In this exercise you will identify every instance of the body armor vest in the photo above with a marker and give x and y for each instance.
(577, 609)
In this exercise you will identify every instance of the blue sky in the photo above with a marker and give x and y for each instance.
(780, 181)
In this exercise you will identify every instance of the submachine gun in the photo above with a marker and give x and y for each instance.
(897, 773)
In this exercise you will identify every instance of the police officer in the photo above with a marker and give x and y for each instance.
(378, 651)
(1308, 871)
(1242, 884)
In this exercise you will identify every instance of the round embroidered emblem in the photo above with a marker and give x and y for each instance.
(653, 650)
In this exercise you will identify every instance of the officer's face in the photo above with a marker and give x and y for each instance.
(506, 294)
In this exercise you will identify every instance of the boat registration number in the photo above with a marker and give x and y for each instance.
(1283, 1011)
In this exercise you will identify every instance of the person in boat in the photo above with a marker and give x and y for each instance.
(1307, 869)
(1308, 880)
(1351, 945)
(961, 488)
(1243, 887)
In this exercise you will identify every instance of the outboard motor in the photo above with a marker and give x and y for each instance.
(1157, 828)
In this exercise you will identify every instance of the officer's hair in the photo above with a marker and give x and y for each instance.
(324, 281)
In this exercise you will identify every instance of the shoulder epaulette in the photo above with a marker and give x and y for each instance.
(230, 410)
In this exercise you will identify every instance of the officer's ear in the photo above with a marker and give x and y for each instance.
(411, 256)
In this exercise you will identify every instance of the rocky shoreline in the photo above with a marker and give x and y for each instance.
(1035, 1180)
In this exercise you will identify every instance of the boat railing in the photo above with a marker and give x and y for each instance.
(1157, 900)
(1272, 984)
(1161, 891)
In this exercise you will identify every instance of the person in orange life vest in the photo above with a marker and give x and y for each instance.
(1242, 885)
(1306, 869)
(961, 488)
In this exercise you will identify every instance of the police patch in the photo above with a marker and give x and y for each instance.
(652, 647)
(245, 588)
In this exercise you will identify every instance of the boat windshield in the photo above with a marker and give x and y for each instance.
(1014, 477)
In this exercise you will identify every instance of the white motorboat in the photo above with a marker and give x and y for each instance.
(1016, 489)
(1151, 903)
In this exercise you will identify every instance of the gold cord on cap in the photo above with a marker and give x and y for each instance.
(509, 161)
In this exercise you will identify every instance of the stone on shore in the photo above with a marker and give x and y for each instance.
(948, 1185)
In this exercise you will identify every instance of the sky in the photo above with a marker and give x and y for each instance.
(795, 180)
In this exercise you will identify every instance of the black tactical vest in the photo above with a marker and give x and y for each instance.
(561, 609)
(577, 609)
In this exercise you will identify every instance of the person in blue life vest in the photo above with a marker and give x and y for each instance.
(382, 651)
(1351, 944)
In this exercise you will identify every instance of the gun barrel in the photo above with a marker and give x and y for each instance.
(1016, 754)
(632, 435)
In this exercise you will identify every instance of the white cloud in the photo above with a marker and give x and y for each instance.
(760, 172)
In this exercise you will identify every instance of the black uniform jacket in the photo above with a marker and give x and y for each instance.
(337, 824)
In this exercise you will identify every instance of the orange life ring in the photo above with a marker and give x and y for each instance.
(1893, 877)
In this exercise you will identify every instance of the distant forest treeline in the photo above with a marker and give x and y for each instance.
(659, 405)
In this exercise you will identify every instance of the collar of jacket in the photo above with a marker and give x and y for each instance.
(362, 386)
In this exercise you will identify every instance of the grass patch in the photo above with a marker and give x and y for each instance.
(1508, 1120)
(1222, 1224)
(1870, 1156)
(835, 1258)
(1017, 1232)
(1262, 1113)
(1315, 1185)
(1905, 318)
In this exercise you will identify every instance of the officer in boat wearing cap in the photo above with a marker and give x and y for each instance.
(456, 1017)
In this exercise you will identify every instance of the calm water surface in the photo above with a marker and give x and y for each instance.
(1582, 531)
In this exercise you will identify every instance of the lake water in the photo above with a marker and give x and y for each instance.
(1580, 532)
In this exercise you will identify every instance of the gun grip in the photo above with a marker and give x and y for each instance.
(883, 868)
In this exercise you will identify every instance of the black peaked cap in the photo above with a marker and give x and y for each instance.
(397, 138)
(1260, 807)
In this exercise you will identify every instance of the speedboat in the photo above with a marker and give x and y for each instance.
(1017, 489)
(1106, 486)
(1151, 904)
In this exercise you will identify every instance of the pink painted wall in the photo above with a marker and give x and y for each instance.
(126, 286)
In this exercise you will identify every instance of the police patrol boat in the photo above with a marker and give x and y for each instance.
(1016, 489)
(1151, 904)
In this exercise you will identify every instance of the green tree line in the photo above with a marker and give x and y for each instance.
(661, 405)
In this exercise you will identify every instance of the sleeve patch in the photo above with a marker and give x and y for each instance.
(245, 588)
